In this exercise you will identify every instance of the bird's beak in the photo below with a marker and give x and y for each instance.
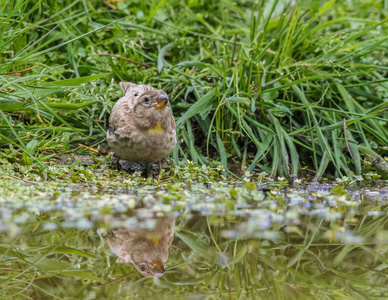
(158, 267)
(161, 102)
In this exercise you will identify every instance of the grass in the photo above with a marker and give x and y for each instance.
(269, 85)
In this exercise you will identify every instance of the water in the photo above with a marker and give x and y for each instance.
(202, 242)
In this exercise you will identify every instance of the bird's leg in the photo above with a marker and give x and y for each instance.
(160, 166)
(118, 166)
(148, 168)
(156, 174)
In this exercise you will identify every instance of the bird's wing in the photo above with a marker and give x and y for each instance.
(112, 134)
(120, 116)
(111, 130)
(173, 122)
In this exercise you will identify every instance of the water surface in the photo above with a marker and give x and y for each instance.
(200, 242)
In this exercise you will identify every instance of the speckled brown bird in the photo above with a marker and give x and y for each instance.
(147, 249)
(141, 125)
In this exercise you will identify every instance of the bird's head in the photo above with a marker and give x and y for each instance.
(152, 110)
(153, 268)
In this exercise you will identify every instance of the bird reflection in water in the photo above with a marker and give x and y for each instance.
(146, 249)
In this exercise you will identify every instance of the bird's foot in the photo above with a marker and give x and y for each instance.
(156, 174)
(117, 164)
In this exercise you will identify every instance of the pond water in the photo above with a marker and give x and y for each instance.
(206, 241)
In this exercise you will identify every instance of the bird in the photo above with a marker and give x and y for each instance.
(147, 249)
(141, 125)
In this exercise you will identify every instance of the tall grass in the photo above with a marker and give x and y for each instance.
(273, 85)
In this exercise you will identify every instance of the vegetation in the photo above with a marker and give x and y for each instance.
(231, 241)
(263, 92)
(271, 85)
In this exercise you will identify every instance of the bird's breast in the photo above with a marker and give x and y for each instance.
(157, 129)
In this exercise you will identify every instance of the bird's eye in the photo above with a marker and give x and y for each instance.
(146, 100)
(142, 268)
